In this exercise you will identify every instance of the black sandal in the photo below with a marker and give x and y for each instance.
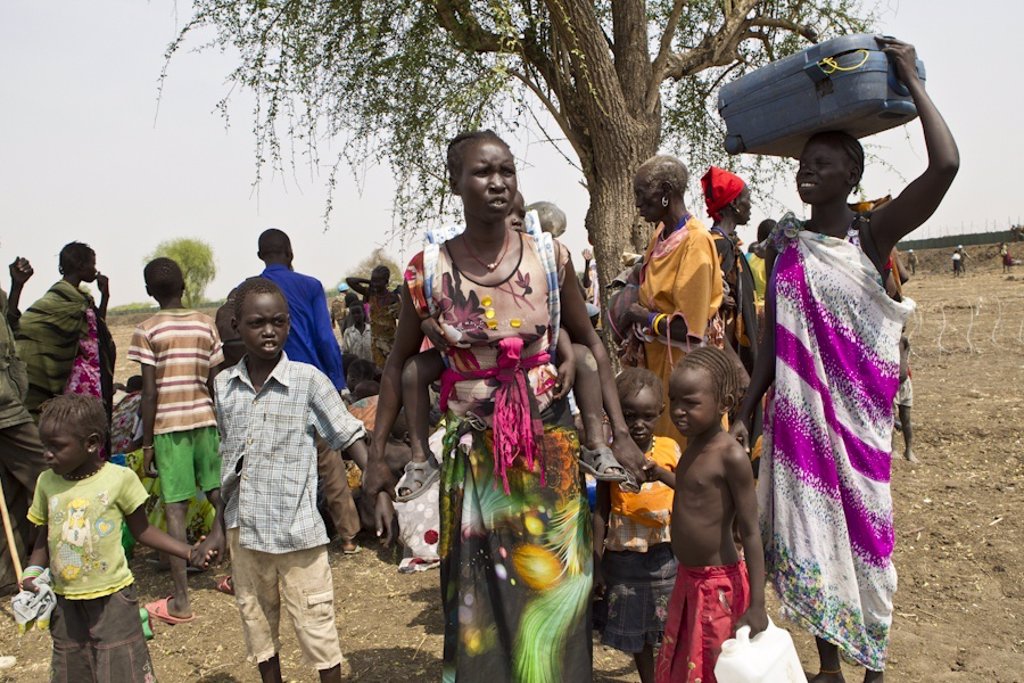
(599, 464)
(418, 476)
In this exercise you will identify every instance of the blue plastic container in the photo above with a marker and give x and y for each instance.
(845, 84)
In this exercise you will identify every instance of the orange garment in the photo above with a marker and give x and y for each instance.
(652, 506)
(681, 277)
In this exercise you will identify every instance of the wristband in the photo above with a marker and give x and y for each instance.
(31, 572)
(651, 319)
(147, 448)
(657, 321)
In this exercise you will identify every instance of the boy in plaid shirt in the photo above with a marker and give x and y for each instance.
(269, 411)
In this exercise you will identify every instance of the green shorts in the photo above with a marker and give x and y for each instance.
(186, 460)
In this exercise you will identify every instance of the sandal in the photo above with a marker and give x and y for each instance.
(225, 585)
(600, 463)
(158, 609)
(418, 476)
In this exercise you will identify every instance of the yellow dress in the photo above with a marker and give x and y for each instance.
(681, 277)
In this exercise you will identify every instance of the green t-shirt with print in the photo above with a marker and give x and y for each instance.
(83, 520)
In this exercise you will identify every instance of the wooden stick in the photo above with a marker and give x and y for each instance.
(9, 532)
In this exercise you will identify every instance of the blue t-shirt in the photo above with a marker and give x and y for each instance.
(311, 339)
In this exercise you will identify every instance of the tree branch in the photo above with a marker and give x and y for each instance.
(804, 30)
(661, 61)
(456, 17)
(718, 49)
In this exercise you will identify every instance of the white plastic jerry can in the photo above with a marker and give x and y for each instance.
(769, 657)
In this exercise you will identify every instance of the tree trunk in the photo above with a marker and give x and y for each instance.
(612, 221)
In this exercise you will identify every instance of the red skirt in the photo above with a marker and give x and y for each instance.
(706, 604)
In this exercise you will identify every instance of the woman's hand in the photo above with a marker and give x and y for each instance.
(103, 284)
(637, 314)
(629, 456)
(377, 476)
(384, 513)
(904, 57)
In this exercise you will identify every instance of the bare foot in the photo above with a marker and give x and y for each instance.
(908, 455)
(873, 676)
(176, 611)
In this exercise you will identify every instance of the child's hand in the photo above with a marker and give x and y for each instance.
(756, 617)
(566, 378)
(148, 466)
(432, 330)
(738, 429)
(600, 585)
(650, 469)
(384, 513)
(29, 584)
(201, 556)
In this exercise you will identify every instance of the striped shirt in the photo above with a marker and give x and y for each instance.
(182, 345)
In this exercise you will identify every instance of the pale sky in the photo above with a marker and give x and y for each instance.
(85, 155)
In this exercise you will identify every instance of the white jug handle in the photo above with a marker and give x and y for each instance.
(771, 627)
(743, 635)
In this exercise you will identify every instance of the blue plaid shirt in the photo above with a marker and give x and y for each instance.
(268, 450)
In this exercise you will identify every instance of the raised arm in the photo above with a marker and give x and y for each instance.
(576, 321)
(21, 271)
(360, 285)
(905, 213)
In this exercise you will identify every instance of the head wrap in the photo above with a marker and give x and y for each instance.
(720, 189)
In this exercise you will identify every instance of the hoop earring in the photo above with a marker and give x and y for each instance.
(664, 201)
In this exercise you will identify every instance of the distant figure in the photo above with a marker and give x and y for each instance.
(1005, 257)
(963, 258)
(958, 263)
(63, 337)
(356, 339)
(905, 399)
(755, 261)
(552, 219)
(912, 261)
(384, 305)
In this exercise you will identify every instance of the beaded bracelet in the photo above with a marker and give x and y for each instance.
(31, 572)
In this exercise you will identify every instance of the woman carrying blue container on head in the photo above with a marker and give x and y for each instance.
(831, 348)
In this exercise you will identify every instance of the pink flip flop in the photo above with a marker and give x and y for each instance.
(158, 610)
(225, 585)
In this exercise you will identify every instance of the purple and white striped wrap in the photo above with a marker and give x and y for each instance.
(826, 507)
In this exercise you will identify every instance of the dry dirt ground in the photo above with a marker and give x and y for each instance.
(960, 604)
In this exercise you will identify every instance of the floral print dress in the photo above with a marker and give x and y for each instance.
(516, 566)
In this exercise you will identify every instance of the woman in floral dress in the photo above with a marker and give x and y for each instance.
(63, 337)
(516, 569)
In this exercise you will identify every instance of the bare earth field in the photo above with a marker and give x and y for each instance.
(960, 605)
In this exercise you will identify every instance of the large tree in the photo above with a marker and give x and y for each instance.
(395, 78)
(195, 258)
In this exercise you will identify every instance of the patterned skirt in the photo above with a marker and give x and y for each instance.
(516, 569)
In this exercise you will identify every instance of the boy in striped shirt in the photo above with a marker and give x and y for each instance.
(179, 351)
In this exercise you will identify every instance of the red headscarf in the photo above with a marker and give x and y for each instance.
(720, 188)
